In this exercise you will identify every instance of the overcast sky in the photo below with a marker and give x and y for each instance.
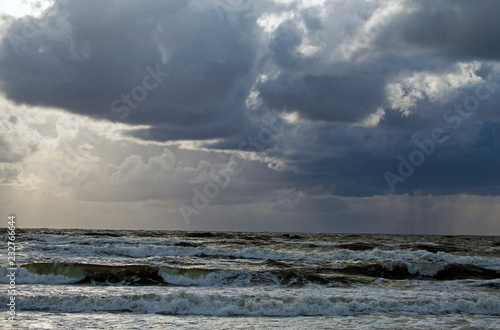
(262, 115)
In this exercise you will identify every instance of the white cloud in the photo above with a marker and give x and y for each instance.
(439, 88)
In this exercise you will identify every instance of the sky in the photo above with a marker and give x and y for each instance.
(235, 115)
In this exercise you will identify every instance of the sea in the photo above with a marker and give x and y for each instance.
(123, 279)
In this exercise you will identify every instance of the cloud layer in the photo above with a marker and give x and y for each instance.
(376, 99)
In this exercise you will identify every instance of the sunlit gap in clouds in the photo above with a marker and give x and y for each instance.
(20, 9)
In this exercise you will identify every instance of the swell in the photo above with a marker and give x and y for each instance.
(248, 304)
(274, 274)
(81, 273)
(401, 270)
(179, 249)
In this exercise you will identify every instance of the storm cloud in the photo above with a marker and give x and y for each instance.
(375, 99)
(175, 65)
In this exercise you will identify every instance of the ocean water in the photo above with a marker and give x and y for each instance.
(99, 279)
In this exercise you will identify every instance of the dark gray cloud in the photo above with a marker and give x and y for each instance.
(346, 162)
(206, 64)
(429, 39)
(325, 97)
(180, 63)
(456, 29)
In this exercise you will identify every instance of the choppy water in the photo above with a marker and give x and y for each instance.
(152, 279)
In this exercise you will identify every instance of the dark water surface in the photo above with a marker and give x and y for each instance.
(115, 279)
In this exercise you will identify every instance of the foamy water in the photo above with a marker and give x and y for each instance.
(113, 279)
